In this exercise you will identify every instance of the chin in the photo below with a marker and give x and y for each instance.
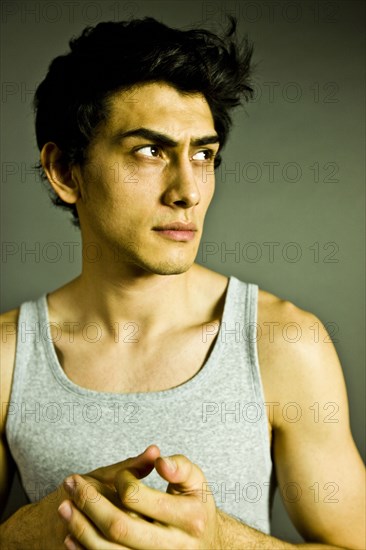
(167, 265)
(170, 268)
(160, 263)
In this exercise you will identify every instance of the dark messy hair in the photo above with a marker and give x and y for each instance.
(73, 98)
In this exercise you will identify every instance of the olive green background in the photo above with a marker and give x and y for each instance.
(293, 171)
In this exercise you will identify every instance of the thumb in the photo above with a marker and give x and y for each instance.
(183, 475)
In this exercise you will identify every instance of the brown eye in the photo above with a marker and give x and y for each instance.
(152, 149)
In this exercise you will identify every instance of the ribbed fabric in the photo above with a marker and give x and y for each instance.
(217, 418)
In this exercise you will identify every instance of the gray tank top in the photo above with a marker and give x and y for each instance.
(217, 418)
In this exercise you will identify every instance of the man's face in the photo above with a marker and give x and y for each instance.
(135, 182)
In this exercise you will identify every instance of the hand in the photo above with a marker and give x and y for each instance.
(145, 518)
(36, 525)
(144, 462)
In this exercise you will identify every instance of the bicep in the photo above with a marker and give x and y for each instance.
(322, 486)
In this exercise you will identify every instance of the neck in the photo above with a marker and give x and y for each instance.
(130, 295)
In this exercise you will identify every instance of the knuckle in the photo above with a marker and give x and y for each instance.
(86, 494)
(162, 504)
(117, 530)
(197, 525)
(79, 496)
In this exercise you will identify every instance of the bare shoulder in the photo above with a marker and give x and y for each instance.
(10, 316)
(8, 328)
(281, 323)
(269, 304)
(298, 361)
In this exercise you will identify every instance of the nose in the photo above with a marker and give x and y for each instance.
(182, 189)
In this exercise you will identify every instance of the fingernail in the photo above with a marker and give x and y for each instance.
(69, 543)
(65, 510)
(69, 485)
(170, 462)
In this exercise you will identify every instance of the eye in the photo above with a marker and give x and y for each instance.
(149, 150)
(206, 154)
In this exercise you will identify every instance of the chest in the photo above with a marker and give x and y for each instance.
(135, 364)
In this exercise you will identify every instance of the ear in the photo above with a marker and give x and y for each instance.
(63, 179)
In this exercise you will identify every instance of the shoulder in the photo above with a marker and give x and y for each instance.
(297, 358)
(8, 329)
(282, 322)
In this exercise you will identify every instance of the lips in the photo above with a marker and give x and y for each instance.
(177, 231)
(176, 226)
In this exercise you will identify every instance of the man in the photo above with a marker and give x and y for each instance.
(142, 349)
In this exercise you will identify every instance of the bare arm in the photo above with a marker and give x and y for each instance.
(34, 526)
(236, 536)
(319, 470)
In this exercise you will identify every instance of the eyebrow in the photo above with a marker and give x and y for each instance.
(162, 139)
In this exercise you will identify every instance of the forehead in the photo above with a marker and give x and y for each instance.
(162, 107)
